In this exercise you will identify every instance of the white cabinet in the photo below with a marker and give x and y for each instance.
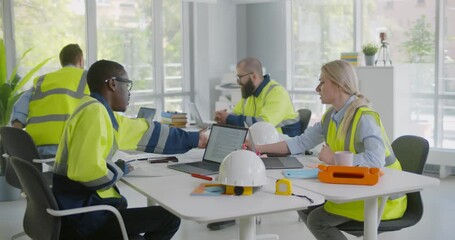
(388, 90)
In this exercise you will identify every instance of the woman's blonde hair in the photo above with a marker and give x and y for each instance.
(343, 74)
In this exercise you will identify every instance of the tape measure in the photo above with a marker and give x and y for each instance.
(283, 186)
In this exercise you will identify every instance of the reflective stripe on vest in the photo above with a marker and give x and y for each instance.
(39, 94)
(396, 204)
(249, 119)
(61, 165)
(349, 144)
(45, 124)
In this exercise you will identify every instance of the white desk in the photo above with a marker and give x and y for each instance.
(173, 193)
(392, 182)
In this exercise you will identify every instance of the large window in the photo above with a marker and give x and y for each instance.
(411, 44)
(172, 57)
(446, 99)
(145, 36)
(46, 26)
(125, 34)
(321, 31)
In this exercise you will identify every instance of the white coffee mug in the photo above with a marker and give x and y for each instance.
(344, 158)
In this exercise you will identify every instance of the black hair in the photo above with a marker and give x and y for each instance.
(102, 70)
(70, 54)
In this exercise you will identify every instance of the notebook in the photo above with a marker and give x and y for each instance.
(223, 140)
(197, 116)
(281, 162)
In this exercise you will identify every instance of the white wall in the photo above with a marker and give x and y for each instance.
(214, 47)
(262, 34)
(225, 32)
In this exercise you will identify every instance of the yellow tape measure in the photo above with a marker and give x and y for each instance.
(283, 186)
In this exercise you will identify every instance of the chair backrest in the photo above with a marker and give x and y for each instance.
(412, 152)
(18, 143)
(38, 224)
(305, 116)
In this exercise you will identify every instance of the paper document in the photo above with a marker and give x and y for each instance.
(146, 169)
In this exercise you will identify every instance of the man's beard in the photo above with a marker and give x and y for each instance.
(247, 89)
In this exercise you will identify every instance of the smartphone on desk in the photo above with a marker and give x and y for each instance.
(162, 159)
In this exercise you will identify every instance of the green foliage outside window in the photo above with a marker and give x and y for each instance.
(419, 47)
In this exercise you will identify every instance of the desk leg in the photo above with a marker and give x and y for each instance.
(247, 228)
(370, 225)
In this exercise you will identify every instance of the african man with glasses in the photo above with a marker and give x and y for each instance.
(85, 173)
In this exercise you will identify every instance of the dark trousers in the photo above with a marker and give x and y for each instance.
(155, 222)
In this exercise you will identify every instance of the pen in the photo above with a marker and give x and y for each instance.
(201, 176)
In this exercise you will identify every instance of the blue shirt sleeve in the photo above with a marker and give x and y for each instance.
(236, 120)
(20, 108)
(369, 143)
(180, 141)
(312, 137)
(175, 140)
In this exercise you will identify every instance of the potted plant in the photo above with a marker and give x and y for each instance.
(10, 91)
(369, 50)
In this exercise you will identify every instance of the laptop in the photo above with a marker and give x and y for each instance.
(197, 117)
(223, 140)
(277, 162)
(147, 113)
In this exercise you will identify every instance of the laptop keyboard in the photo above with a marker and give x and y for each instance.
(205, 165)
(272, 163)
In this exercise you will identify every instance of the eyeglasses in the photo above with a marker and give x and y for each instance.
(129, 84)
(239, 77)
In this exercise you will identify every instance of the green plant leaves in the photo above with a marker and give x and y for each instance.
(2, 62)
(10, 86)
(18, 83)
(5, 93)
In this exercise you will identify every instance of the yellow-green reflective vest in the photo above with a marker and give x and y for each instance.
(55, 97)
(273, 105)
(396, 204)
(87, 147)
(135, 133)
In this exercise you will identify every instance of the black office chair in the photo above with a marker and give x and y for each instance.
(412, 152)
(18, 143)
(305, 116)
(42, 218)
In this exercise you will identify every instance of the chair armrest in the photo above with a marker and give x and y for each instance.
(44, 160)
(61, 213)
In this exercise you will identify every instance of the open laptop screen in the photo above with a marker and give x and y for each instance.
(147, 113)
(224, 140)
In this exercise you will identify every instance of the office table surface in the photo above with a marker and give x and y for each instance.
(173, 193)
(392, 182)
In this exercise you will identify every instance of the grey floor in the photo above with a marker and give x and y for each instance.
(437, 222)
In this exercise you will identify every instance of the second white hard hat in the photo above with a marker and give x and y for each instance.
(264, 133)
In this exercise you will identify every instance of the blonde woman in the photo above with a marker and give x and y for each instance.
(348, 125)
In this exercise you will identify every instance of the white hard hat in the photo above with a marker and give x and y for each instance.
(264, 133)
(242, 168)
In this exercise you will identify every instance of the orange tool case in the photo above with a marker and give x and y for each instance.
(349, 175)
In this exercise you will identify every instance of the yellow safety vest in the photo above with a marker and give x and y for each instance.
(85, 156)
(396, 204)
(273, 105)
(55, 97)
